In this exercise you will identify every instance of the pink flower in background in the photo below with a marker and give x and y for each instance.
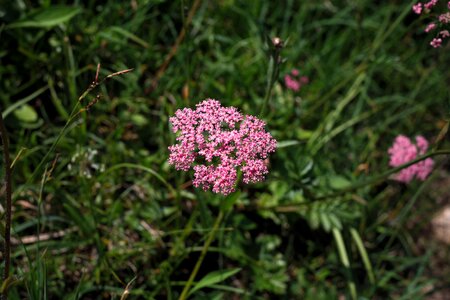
(444, 34)
(294, 82)
(417, 8)
(430, 4)
(440, 20)
(216, 142)
(403, 151)
(291, 83)
(444, 18)
(304, 80)
(436, 42)
(430, 27)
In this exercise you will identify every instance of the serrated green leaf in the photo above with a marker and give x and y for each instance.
(214, 278)
(47, 17)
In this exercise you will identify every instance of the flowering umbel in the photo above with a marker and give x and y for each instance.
(403, 151)
(216, 142)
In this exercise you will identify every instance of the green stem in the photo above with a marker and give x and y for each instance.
(205, 248)
(358, 185)
(72, 116)
(274, 65)
(346, 262)
(384, 175)
(75, 112)
(268, 93)
(8, 176)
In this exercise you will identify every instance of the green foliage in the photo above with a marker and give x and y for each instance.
(46, 17)
(101, 214)
(214, 278)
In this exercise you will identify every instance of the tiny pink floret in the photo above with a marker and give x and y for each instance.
(430, 4)
(441, 21)
(291, 83)
(430, 27)
(444, 18)
(444, 34)
(436, 43)
(294, 81)
(417, 8)
(216, 142)
(403, 151)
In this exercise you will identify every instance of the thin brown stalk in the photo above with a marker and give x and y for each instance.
(75, 112)
(175, 47)
(7, 166)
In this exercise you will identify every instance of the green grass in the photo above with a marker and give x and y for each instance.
(113, 216)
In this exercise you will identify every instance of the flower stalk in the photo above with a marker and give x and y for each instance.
(273, 71)
(75, 112)
(358, 185)
(8, 204)
(199, 262)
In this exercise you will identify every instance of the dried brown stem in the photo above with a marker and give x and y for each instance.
(7, 166)
(175, 47)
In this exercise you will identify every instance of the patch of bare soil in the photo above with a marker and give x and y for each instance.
(436, 234)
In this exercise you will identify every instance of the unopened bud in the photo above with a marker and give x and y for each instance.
(185, 91)
(277, 42)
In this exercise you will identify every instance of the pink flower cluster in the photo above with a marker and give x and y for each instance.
(294, 81)
(430, 27)
(420, 6)
(403, 151)
(216, 142)
(441, 22)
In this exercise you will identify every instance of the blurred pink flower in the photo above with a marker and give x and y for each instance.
(295, 82)
(403, 151)
(444, 34)
(430, 27)
(441, 20)
(291, 83)
(444, 18)
(436, 42)
(417, 8)
(430, 4)
(304, 80)
(216, 142)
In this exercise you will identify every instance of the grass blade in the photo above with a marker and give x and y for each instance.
(362, 251)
